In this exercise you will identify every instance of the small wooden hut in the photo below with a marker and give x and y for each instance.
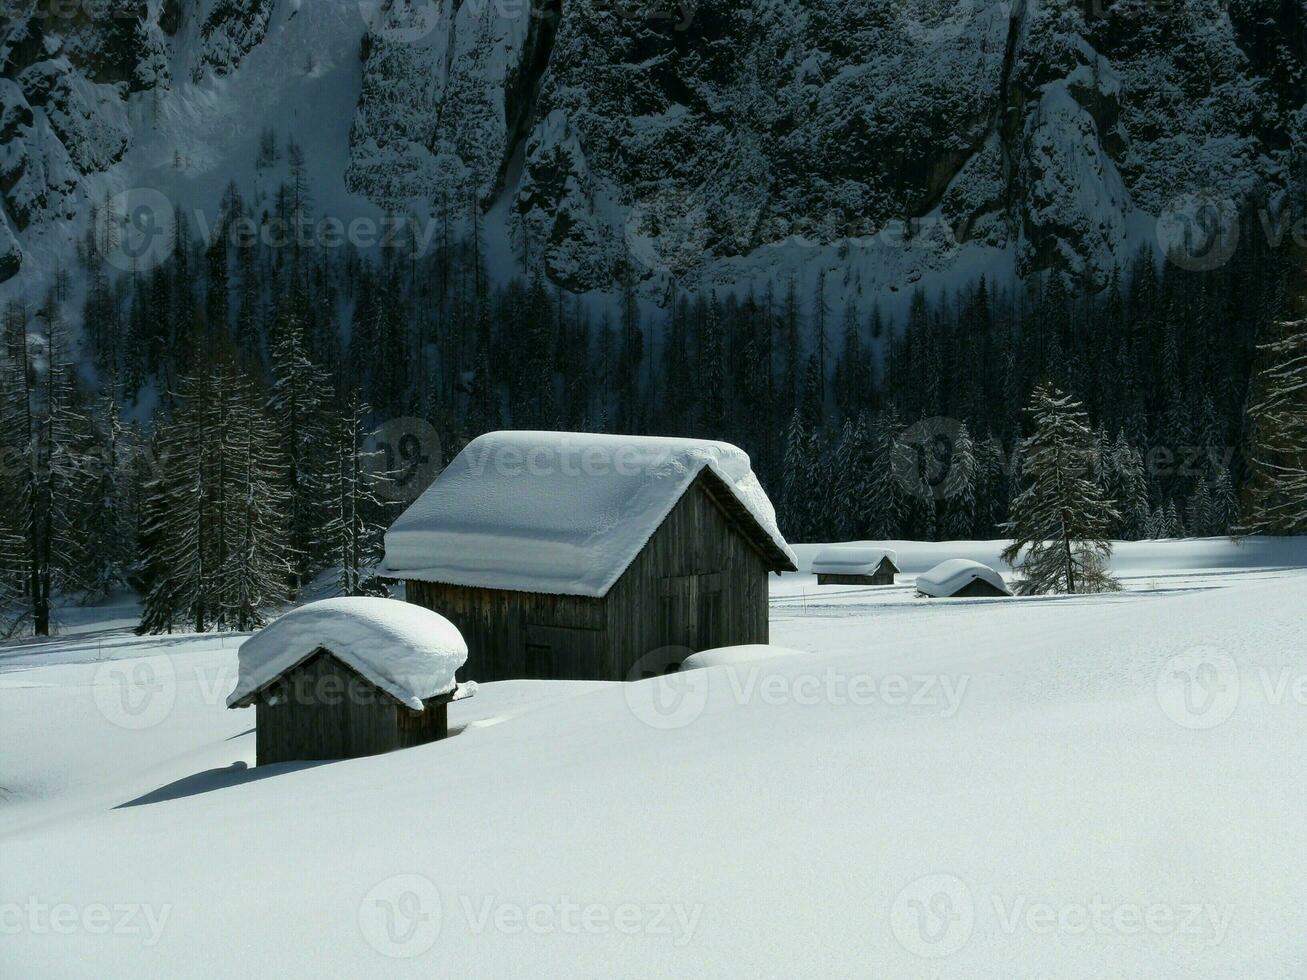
(575, 556)
(855, 565)
(961, 578)
(349, 677)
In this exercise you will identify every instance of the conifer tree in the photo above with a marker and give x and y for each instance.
(1061, 519)
(108, 549)
(1277, 420)
(355, 525)
(959, 488)
(298, 388)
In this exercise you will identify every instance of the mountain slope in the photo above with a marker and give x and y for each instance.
(741, 142)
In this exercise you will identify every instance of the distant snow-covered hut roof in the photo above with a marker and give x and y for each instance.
(566, 513)
(852, 559)
(407, 651)
(948, 577)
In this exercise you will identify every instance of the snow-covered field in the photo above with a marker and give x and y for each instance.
(1072, 786)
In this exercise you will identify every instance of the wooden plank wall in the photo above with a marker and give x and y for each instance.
(329, 711)
(699, 546)
(698, 583)
(494, 623)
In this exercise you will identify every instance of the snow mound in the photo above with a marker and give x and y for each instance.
(946, 578)
(746, 653)
(560, 512)
(852, 560)
(409, 652)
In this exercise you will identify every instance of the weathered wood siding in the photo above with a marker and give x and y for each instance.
(499, 625)
(326, 710)
(977, 588)
(698, 583)
(880, 578)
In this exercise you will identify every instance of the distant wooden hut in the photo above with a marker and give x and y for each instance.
(349, 677)
(579, 556)
(855, 565)
(961, 578)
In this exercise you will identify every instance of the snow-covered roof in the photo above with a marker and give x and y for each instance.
(946, 578)
(852, 559)
(565, 512)
(406, 650)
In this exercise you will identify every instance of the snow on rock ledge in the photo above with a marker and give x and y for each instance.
(407, 651)
(558, 512)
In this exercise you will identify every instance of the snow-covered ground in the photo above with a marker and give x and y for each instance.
(1073, 786)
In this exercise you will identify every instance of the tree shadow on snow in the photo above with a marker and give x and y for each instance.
(212, 779)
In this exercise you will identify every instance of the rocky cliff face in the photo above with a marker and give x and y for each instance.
(691, 137)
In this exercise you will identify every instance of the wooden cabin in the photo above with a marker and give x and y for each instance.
(349, 677)
(855, 565)
(961, 578)
(591, 557)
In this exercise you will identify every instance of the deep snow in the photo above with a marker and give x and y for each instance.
(1055, 786)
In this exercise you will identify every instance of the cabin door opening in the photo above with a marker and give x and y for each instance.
(692, 610)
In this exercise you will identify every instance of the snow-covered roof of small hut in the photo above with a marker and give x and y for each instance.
(563, 512)
(852, 559)
(406, 650)
(946, 578)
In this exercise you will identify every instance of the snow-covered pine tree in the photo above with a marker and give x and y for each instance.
(15, 510)
(958, 507)
(253, 562)
(355, 525)
(299, 386)
(885, 502)
(1198, 511)
(1225, 503)
(1173, 526)
(1128, 485)
(175, 510)
(711, 376)
(1276, 501)
(1060, 520)
(47, 440)
(214, 517)
(109, 541)
(796, 480)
